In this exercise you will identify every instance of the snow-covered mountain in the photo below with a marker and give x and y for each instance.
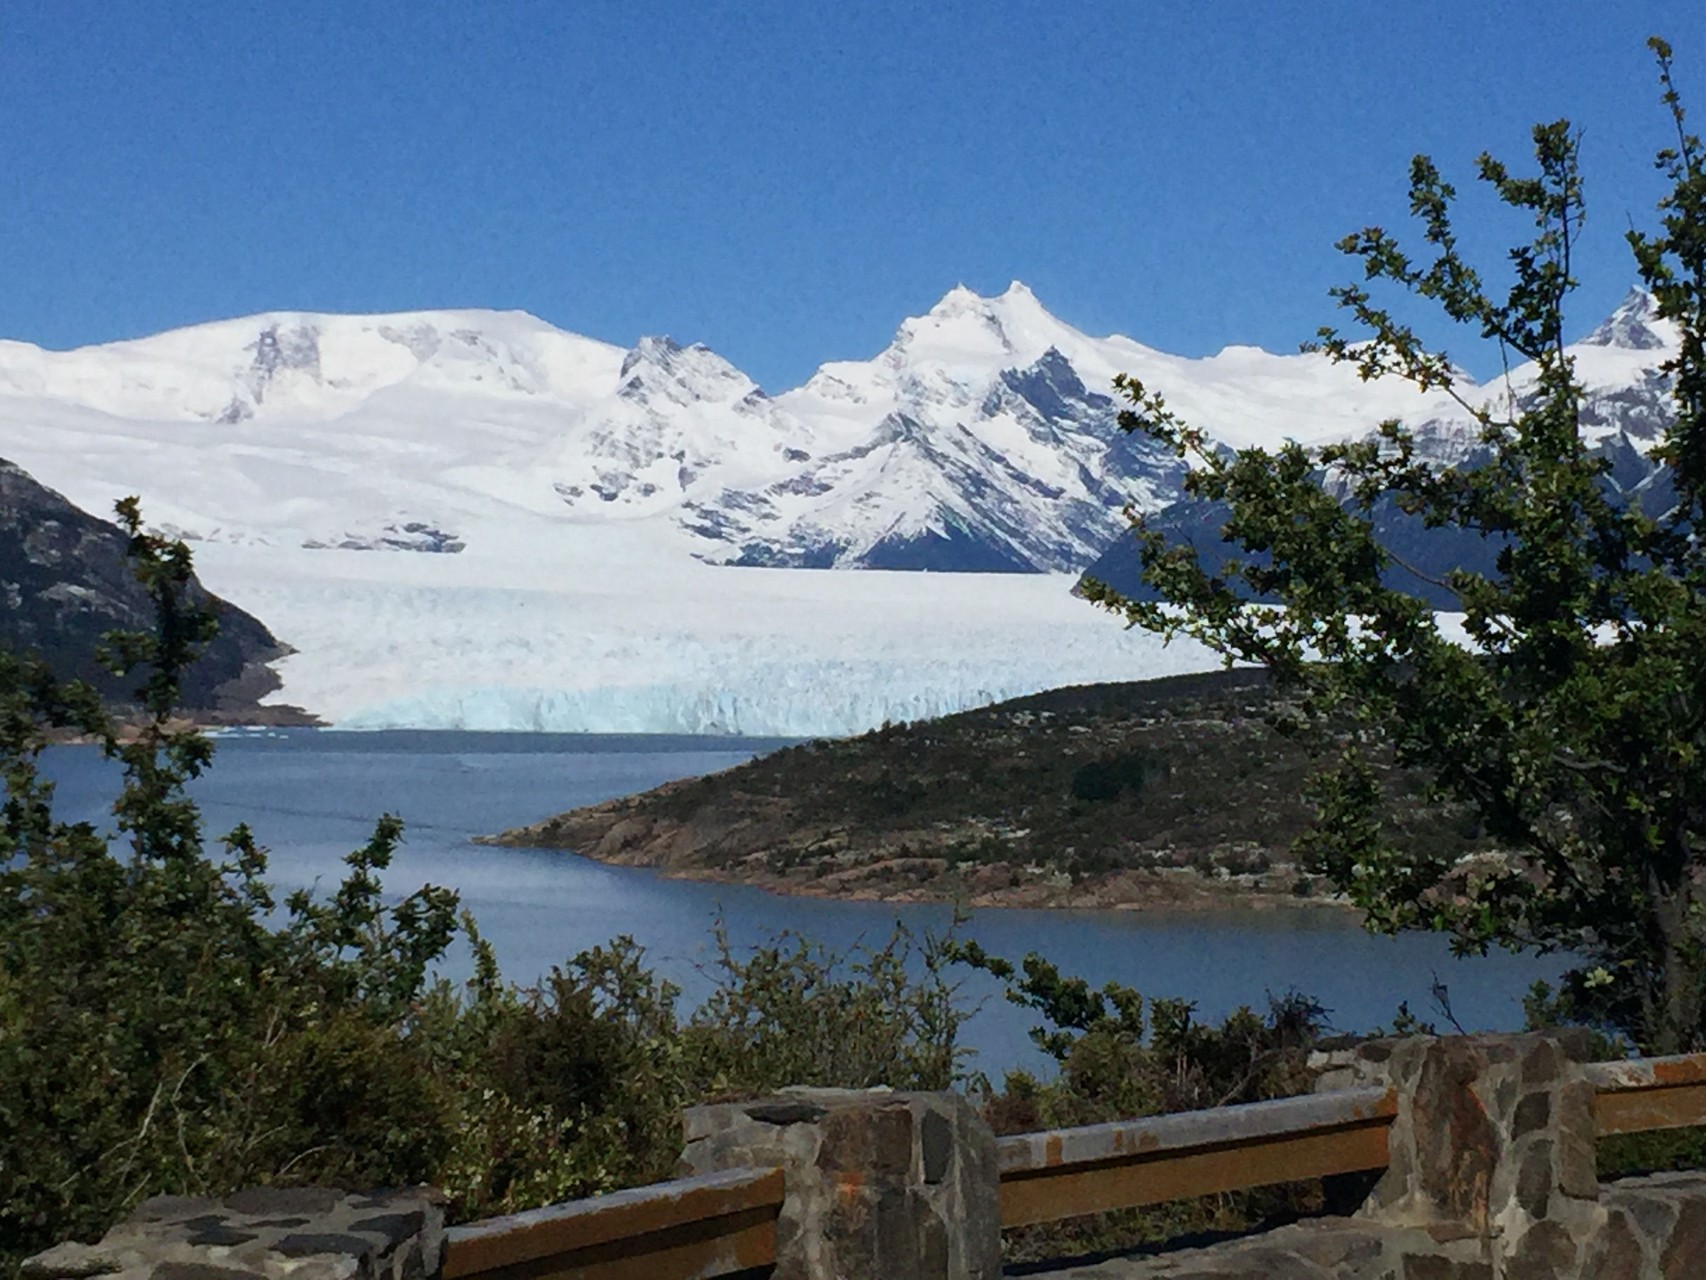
(581, 504)
(1625, 412)
(982, 437)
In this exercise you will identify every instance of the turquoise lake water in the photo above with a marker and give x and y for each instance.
(312, 795)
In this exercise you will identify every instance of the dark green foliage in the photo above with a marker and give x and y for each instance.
(162, 1030)
(1098, 780)
(155, 1033)
(793, 1013)
(1625, 1155)
(1121, 1057)
(585, 1031)
(564, 1090)
(1572, 724)
(1171, 1062)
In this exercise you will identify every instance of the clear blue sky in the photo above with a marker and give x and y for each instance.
(783, 181)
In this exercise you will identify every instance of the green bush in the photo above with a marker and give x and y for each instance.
(1121, 1057)
(794, 1013)
(1096, 781)
(164, 1030)
(156, 1034)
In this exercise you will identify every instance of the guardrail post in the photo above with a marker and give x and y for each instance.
(1493, 1143)
(881, 1185)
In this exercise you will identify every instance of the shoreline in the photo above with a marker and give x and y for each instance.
(1003, 886)
(1043, 893)
(129, 724)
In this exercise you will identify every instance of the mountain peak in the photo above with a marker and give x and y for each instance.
(957, 349)
(660, 350)
(962, 299)
(1631, 326)
(969, 316)
(682, 375)
(957, 301)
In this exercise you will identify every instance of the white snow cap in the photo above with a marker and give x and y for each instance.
(452, 514)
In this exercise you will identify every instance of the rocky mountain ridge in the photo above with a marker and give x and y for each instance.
(65, 581)
(982, 437)
(1624, 414)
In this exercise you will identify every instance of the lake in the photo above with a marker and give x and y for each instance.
(311, 796)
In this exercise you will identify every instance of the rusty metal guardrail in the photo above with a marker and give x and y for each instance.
(1067, 1172)
(690, 1229)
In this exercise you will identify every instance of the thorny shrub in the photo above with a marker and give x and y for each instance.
(1120, 1056)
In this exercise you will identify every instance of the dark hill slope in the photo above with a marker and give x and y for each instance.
(1170, 792)
(65, 580)
(1423, 557)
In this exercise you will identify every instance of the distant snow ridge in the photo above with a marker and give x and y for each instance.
(314, 458)
(984, 437)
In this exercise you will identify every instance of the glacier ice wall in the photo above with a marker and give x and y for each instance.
(481, 642)
(798, 700)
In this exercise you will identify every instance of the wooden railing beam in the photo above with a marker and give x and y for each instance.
(1638, 1095)
(689, 1229)
(1069, 1172)
(697, 1228)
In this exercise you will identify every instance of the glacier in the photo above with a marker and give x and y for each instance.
(475, 520)
(581, 646)
(804, 699)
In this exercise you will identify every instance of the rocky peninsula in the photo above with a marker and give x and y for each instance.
(1172, 794)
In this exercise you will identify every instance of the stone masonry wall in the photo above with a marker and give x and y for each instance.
(303, 1233)
(1491, 1178)
(896, 1186)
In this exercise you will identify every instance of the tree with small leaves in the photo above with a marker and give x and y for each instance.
(159, 1030)
(165, 1028)
(1570, 716)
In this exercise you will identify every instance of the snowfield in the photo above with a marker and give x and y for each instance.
(474, 520)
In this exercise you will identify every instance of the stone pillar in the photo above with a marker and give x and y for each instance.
(1493, 1143)
(881, 1185)
(304, 1233)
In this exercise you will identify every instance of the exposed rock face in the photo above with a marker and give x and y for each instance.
(65, 581)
